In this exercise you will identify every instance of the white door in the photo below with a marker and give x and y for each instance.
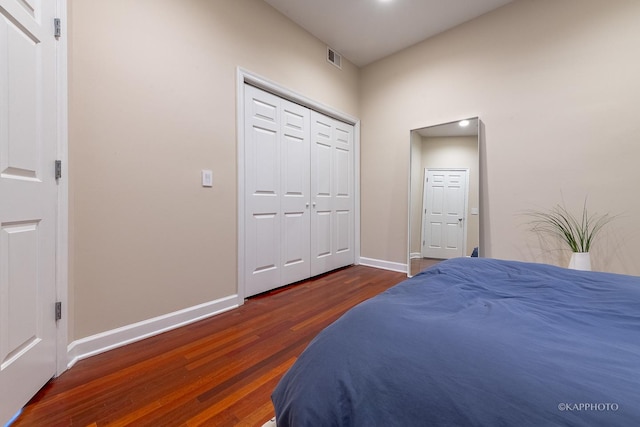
(332, 200)
(28, 197)
(444, 213)
(277, 192)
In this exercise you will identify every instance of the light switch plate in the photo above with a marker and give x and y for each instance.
(207, 178)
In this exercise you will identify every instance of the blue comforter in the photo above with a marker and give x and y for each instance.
(476, 342)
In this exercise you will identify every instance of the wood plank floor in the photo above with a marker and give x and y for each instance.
(216, 372)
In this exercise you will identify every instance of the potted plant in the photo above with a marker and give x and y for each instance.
(577, 232)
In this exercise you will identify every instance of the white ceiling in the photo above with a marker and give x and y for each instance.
(364, 31)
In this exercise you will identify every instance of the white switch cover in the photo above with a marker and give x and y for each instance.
(474, 211)
(207, 178)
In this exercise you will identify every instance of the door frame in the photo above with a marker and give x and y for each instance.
(62, 226)
(243, 77)
(466, 205)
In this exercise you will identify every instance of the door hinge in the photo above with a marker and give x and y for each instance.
(58, 310)
(57, 28)
(58, 169)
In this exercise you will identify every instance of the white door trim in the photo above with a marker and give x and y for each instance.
(465, 208)
(62, 226)
(245, 76)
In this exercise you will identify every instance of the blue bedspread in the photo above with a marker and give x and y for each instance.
(476, 342)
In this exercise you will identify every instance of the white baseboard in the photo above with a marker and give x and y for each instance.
(105, 341)
(384, 265)
(415, 255)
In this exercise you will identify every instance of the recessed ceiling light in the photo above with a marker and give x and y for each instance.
(464, 123)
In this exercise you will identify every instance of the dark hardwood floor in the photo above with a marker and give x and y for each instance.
(216, 372)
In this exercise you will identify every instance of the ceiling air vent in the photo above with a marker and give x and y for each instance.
(334, 57)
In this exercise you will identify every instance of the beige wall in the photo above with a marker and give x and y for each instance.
(152, 102)
(556, 85)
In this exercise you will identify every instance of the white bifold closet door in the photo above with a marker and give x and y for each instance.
(332, 200)
(298, 192)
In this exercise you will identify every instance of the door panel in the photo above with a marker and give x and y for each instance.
(332, 194)
(265, 229)
(20, 243)
(321, 194)
(22, 147)
(28, 195)
(322, 248)
(323, 166)
(343, 200)
(452, 237)
(262, 178)
(436, 235)
(295, 253)
(266, 161)
(344, 221)
(343, 169)
(277, 192)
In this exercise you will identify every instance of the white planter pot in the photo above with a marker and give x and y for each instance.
(580, 261)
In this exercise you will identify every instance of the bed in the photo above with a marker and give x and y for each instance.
(476, 342)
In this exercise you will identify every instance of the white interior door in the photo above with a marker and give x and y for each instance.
(28, 197)
(444, 213)
(332, 200)
(277, 192)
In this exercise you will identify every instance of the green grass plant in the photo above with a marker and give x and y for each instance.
(579, 232)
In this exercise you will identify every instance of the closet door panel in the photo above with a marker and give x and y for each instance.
(262, 194)
(332, 194)
(343, 200)
(294, 174)
(321, 193)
